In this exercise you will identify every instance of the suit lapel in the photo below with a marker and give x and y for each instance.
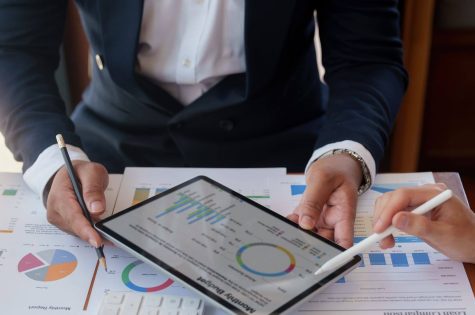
(121, 20)
(121, 23)
(265, 29)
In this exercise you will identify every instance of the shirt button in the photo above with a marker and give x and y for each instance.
(99, 62)
(186, 62)
(227, 125)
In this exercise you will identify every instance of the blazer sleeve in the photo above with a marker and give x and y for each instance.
(31, 109)
(362, 56)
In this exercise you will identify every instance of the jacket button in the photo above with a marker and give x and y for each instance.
(227, 125)
(99, 62)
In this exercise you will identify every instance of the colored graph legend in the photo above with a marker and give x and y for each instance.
(48, 265)
(10, 192)
(266, 260)
(197, 208)
(137, 271)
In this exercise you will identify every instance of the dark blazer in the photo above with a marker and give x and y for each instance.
(273, 115)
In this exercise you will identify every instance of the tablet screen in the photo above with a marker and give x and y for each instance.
(234, 250)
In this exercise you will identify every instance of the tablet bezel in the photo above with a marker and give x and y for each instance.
(203, 290)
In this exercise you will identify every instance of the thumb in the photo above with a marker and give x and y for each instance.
(94, 180)
(414, 224)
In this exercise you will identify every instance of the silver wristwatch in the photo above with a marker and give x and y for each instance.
(366, 182)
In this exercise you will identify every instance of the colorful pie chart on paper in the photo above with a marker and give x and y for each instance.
(140, 277)
(265, 259)
(48, 265)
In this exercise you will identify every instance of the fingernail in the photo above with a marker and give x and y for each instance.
(307, 222)
(96, 206)
(377, 224)
(402, 221)
(93, 243)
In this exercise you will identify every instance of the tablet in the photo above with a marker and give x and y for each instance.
(234, 252)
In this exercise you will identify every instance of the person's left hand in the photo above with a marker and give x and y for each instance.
(328, 204)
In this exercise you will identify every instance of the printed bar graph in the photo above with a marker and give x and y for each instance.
(196, 209)
(421, 258)
(376, 259)
(399, 260)
(140, 195)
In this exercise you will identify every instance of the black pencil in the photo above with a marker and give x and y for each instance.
(78, 192)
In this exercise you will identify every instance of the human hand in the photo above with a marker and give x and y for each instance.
(449, 228)
(63, 209)
(328, 204)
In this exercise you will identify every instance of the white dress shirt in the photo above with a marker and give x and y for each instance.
(185, 47)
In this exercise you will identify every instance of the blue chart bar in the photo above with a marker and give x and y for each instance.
(297, 189)
(361, 262)
(384, 188)
(399, 260)
(398, 239)
(199, 214)
(190, 205)
(341, 280)
(215, 218)
(184, 200)
(377, 259)
(407, 239)
(421, 258)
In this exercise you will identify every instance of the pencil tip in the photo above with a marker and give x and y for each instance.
(103, 263)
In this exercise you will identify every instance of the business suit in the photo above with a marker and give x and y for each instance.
(275, 114)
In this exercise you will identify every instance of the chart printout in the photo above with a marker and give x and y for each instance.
(252, 260)
(410, 279)
(51, 272)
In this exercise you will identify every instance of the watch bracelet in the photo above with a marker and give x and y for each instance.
(366, 183)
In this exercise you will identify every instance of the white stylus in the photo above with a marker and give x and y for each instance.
(348, 254)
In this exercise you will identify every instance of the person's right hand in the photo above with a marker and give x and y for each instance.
(449, 228)
(63, 209)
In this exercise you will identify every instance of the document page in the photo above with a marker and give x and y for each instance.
(42, 269)
(410, 279)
